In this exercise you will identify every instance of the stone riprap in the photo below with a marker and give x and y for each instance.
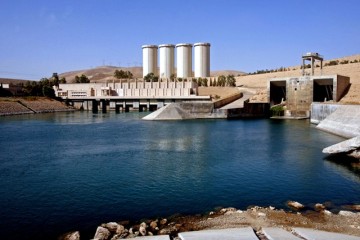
(231, 223)
(15, 106)
(12, 108)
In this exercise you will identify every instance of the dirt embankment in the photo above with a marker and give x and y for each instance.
(28, 105)
(217, 93)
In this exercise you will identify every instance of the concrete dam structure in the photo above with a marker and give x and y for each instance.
(125, 95)
(343, 121)
(187, 110)
(299, 93)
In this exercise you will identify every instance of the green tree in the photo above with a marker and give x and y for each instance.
(121, 74)
(48, 91)
(55, 79)
(82, 79)
(129, 75)
(214, 83)
(221, 81)
(230, 81)
(63, 80)
(150, 77)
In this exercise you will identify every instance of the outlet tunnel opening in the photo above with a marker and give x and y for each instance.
(277, 92)
(323, 90)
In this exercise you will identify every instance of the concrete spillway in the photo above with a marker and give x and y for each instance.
(187, 110)
(168, 112)
(344, 121)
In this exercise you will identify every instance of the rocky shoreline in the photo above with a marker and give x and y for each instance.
(317, 217)
(30, 105)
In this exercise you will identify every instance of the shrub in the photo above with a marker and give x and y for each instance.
(277, 110)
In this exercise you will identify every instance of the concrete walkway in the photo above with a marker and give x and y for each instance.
(225, 234)
(311, 234)
(271, 233)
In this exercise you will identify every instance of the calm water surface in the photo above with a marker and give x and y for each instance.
(73, 171)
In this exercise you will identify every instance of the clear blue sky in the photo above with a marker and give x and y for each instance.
(39, 37)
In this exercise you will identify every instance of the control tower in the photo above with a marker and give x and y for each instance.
(310, 56)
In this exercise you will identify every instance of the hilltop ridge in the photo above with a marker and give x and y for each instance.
(106, 73)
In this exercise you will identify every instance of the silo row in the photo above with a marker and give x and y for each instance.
(183, 60)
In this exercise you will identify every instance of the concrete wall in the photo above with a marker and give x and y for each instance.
(320, 111)
(342, 84)
(300, 92)
(344, 121)
(299, 95)
(187, 110)
(222, 102)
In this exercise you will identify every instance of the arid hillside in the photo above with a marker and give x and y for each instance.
(106, 73)
(100, 74)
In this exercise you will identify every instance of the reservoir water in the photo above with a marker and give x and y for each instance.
(74, 171)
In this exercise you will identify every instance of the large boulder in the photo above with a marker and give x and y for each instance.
(102, 233)
(350, 147)
(295, 205)
(71, 236)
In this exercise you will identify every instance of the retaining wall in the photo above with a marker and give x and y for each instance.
(320, 111)
(344, 121)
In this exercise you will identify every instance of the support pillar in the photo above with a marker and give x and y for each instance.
(312, 66)
(103, 106)
(95, 106)
(117, 108)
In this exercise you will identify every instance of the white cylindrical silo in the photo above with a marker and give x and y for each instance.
(184, 60)
(166, 60)
(202, 59)
(149, 59)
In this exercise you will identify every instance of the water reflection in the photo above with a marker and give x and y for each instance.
(123, 168)
(347, 166)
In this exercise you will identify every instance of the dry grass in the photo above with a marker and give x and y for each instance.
(217, 92)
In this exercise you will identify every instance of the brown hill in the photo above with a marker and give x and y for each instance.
(100, 74)
(227, 72)
(106, 73)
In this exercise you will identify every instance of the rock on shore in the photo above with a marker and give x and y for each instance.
(319, 217)
(350, 147)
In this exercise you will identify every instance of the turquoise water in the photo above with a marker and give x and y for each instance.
(73, 171)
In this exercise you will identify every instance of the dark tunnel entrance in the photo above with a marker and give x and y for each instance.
(323, 90)
(277, 92)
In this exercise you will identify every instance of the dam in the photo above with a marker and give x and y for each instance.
(123, 96)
